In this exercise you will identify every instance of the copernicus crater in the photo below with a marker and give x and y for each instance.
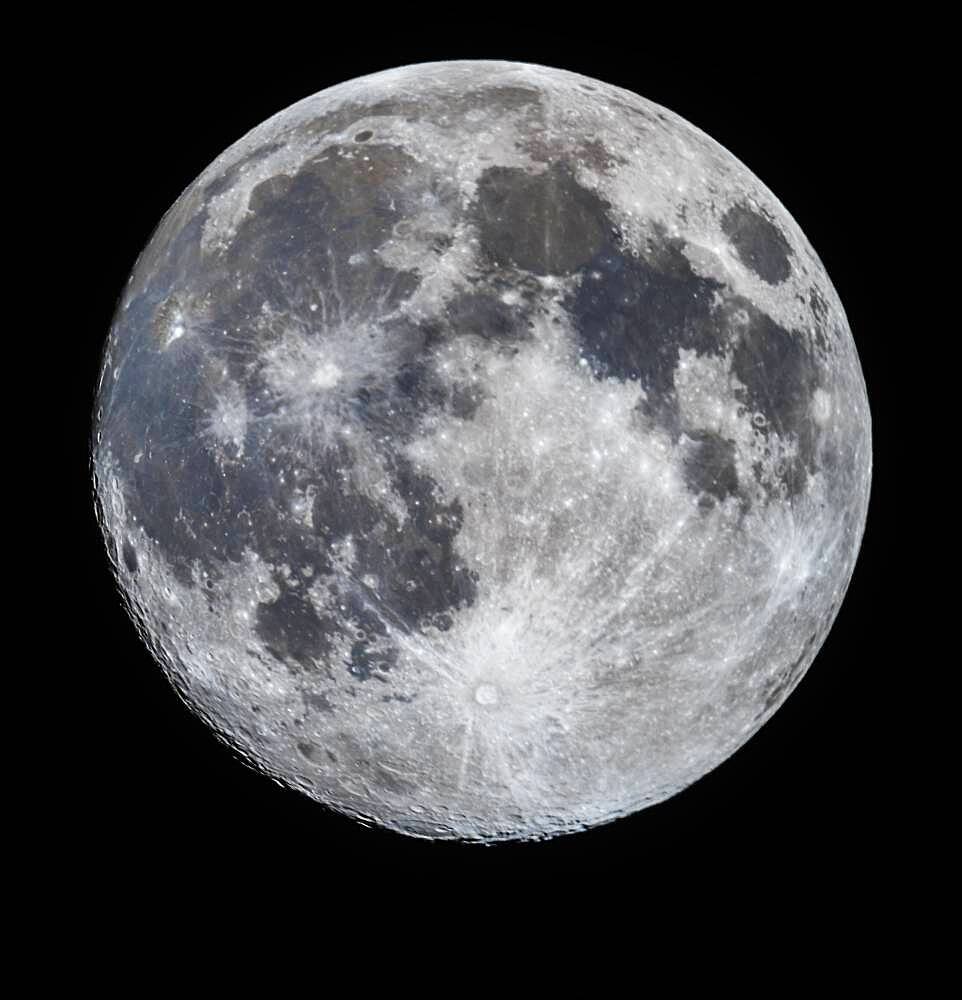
(482, 450)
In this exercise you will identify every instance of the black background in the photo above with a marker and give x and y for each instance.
(811, 792)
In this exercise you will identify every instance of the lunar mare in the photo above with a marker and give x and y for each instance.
(482, 450)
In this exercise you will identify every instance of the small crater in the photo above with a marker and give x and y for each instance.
(441, 243)
(486, 694)
(363, 136)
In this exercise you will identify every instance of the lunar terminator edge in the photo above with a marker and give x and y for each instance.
(482, 450)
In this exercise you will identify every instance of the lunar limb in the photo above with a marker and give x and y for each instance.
(482, 450)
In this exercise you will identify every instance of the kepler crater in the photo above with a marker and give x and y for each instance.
(482, 450)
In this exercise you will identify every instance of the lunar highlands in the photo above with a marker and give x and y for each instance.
(482, 450)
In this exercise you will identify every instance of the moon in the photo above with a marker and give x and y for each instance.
(481, 450)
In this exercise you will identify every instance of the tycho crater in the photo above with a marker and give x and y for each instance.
(482, 450)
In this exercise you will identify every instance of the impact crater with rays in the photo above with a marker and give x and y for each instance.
(482, 450)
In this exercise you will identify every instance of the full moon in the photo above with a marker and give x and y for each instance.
(482, 450)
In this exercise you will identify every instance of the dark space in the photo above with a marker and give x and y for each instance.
(153, 794)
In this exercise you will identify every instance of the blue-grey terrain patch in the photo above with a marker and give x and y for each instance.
(292, 630)
(545, 223)
(308, 233)
(760, 244)
(176, 491)
(465, 400)
(303, 229)
(709, 467)
(634, 312)
(418, 576)
(779, 373)
(481, 314)
(417, 388)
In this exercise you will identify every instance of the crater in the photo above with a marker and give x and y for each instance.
(130, 557)
(486, 694)
(760, 244)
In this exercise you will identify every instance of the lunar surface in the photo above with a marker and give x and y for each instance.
(482, 450)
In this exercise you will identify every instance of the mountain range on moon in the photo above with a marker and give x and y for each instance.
(482, 450)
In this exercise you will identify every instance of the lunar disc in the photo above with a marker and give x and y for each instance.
(482, 450)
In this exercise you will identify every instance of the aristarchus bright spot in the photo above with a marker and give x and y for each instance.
(482, 450)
